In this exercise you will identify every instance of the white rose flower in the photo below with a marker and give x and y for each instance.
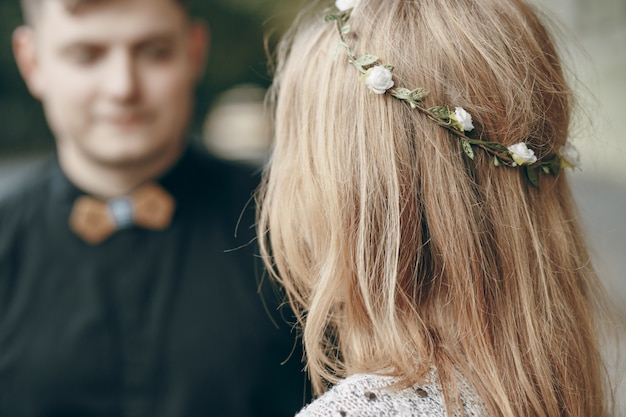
(345, 4)
(464, 119)
(521, 154)
(379, 79)
(570, 157)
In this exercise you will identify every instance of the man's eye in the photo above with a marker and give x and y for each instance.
(157, 52)
(83, 55)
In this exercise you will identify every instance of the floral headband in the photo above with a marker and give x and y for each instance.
(379, 79)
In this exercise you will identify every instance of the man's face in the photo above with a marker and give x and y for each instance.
(116, 78)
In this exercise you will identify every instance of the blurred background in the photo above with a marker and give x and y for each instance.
(594, 34)
(229, 115)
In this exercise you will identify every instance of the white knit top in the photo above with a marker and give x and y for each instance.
(365, 395)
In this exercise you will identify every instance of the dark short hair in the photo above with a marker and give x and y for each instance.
(30, 7)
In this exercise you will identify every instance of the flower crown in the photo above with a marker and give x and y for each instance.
(379, 79)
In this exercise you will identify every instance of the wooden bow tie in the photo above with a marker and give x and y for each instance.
(150, 207)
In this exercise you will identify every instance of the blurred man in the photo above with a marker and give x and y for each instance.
(127, 284)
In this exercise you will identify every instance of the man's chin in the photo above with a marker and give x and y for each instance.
(134, 157)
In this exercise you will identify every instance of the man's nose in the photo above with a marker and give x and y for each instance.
(120, 80)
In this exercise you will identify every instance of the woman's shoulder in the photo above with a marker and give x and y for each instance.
(369, 395)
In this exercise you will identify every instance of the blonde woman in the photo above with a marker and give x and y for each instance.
(416, 210)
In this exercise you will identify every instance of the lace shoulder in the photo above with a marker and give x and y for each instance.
(369, 395)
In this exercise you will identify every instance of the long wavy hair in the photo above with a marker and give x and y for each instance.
(396, 251)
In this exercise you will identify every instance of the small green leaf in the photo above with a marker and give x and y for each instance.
(402, 93)
(363, 77)
(345, 29)
(331, 17)
(555, 165)
(533, 175)
(389, 67)
(419, 94)
(496, 161)
(467, 148)
(455, 124)
(496, 146)
(441, 112)
(366, 60)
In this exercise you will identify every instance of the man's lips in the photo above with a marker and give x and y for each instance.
(127, 119)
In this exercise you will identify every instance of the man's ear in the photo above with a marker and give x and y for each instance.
(26, 58)
(199, 47)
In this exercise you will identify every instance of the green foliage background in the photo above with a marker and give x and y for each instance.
(237, 55)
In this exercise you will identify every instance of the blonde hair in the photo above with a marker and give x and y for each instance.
(396, 251)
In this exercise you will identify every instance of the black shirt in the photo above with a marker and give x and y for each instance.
(148, 323)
